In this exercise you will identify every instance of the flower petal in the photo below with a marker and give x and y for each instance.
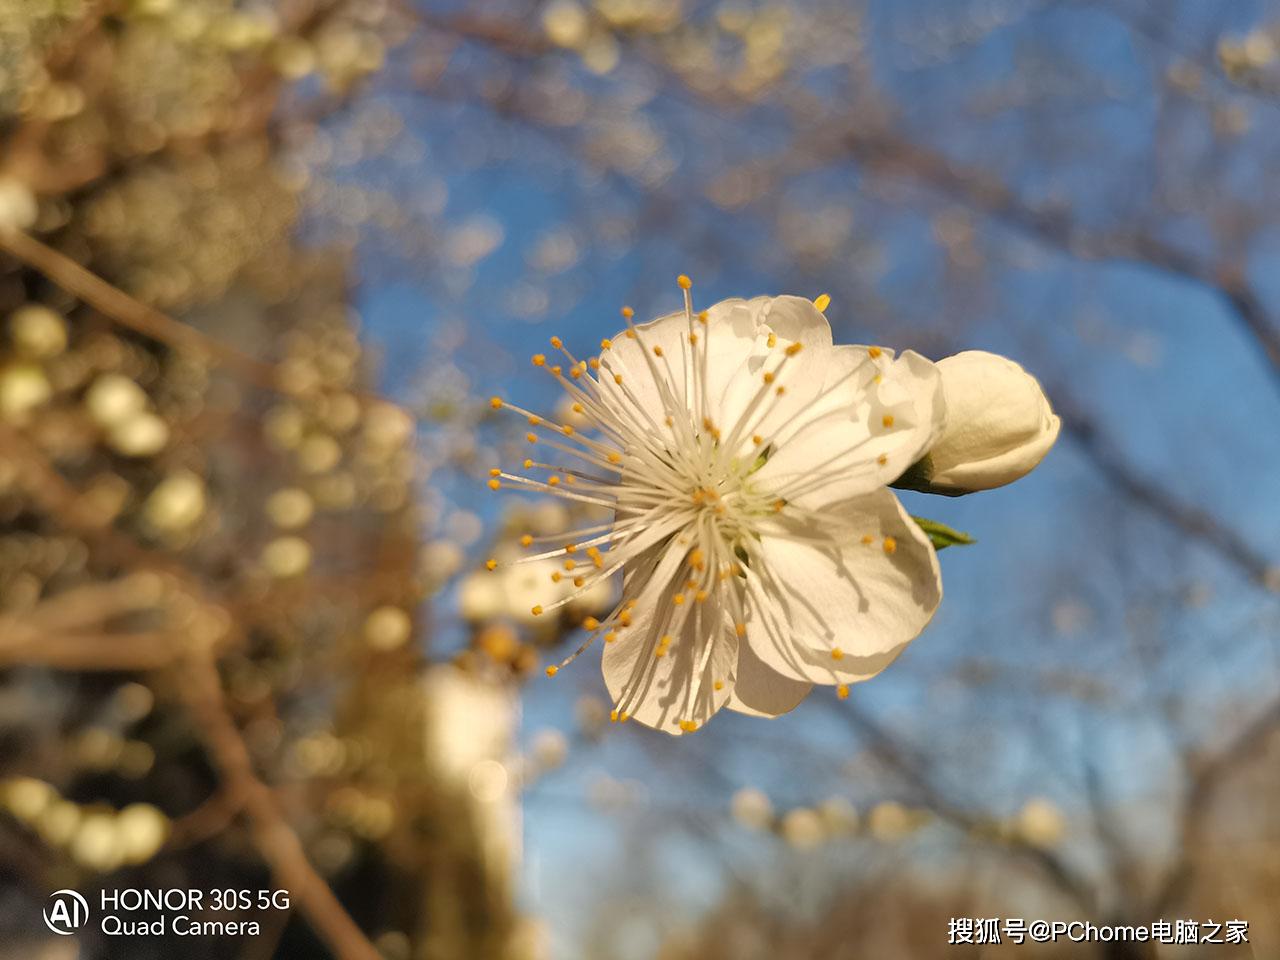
(693, 677)
(874, 417)
(760, 691)
(828, 607)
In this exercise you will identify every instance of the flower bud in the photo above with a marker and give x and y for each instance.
(999, 426)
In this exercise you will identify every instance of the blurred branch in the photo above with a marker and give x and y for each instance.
(887, 152)
(1209, 776)
(128, 311)
(1194, 522)
(273, 836)
(901, 760)
(202, 690)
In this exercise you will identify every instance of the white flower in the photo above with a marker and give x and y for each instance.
(999, 426)
(745, 458)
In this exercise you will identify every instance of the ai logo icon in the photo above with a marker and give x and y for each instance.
(66, 912)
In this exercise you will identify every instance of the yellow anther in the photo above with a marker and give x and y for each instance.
(697, 559)
(570, 548)
(780, 391)
(778, 505)
(531, 437)
(495, 472)
(557, 342)
(660, 653)
(613, 716)
(794, 348)
(576, 372)
(495, 402)
(773, 340)
(556, 576)
(768, 376)
(593, 551)
(688, 726)
(700, 596)
(598, 561)
(877, 379)
(740, 629)
(842, 691)
(535, 420)
(874, 352)
(628, 312)
(693, 339)
(868, 538)
(610, 636)
(539, 359)
(615, 458)
(624, 618)
(556, 369)
(617, 378)
(526, 540)
(685, 282)
(579, 581)
(837, 653)
(577, 408)
(757, 439)
(822, 301)
(665, 641)
(606, 343)
(553, 481)
(670, 421)
(570, 564)
(593, 363)
(536, 609)
(591, 623)
(657, 351)
(624, 717)
(567, 430)
(890, 544)
(491, 564)
(552, 671)
(528, 464)
(718, 685)
(887, 420)
(678, 599)
(702, 317)
(882, 459)
(630, 335)
(495, 484)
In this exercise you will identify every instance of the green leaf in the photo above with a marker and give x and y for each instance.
(941, 535)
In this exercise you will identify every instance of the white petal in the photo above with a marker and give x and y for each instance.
(760, 691)
(859, 434)
(660, 692)
(828, 591)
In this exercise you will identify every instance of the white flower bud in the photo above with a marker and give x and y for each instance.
(999, 426)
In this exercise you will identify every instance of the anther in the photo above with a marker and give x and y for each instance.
(495, 484)
(842, 691)
(890, 545)
(491, 564)
(536, 609)
(688, 726)
(495, 402)
(822, 301)
(837, 653)
(874, 352)
(552, 671)
(539, 359)
(526, 540)
(685, 282)
(591, 623)
(887, 420)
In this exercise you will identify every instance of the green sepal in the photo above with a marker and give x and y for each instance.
(941, 535)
